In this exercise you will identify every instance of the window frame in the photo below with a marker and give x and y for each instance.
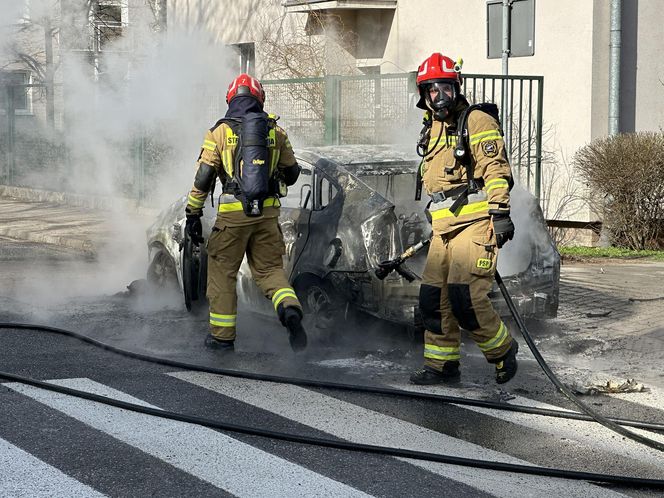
(28, 109)
(96, 25)
(318, 181)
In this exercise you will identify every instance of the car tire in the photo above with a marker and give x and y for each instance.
(161, 272)
(326, 313)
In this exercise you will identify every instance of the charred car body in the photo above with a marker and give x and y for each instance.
(352, 208)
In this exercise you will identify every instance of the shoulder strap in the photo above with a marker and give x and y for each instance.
(462, 150)
(463, 137)
(235, 124)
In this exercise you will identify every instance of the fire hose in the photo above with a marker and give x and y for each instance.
(331, 443)
(384, 269)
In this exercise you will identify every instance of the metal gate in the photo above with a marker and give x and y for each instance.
(377, 109)
(371, 109)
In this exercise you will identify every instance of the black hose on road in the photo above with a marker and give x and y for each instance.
(344, 445)
(609, 424)
(387, 391)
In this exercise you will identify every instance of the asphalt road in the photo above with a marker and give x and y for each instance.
(54, 445)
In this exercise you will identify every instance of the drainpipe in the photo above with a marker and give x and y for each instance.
(605, 236)
(505, 59)
(614, 68)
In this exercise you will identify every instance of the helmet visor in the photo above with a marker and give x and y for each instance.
(439, 94)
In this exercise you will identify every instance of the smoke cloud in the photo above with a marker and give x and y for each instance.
(134, 121)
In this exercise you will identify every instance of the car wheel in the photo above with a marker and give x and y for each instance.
(161, 272)
(326, 313)
(325, 307)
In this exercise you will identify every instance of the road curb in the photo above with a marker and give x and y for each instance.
(85, 242)
(96, 202)
(83, 245)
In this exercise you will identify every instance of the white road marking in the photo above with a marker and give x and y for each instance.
(227, 463)
(651, 399)
(354, 423)
(589, 434)
(25, 475)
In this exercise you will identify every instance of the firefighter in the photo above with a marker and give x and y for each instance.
(254, 161)
(468, 179)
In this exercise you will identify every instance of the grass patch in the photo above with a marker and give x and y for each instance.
(608, 252)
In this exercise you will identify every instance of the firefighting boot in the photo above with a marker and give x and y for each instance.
(212, 342)
(507, 365)
(428, 376)
(291, 318)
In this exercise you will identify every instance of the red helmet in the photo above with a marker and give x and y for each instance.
(245, 85)
(438, 67)
(435, 72)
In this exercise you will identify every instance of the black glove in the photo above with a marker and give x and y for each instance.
(503, 228)
(194, 228)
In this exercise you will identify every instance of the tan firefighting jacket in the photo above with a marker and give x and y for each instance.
(442, 172)
(218, 151)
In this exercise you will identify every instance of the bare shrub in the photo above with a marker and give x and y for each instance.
(563, 196)
(627, 173)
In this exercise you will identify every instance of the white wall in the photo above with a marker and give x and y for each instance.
(563, 53)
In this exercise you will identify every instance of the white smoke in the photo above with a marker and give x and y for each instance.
(530, 234)
(156, 90)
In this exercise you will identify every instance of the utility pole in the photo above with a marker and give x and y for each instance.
(49, 78)
(507, 5)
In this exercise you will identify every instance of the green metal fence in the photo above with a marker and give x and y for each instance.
(521, 118)
(375, 109)
(369, 109)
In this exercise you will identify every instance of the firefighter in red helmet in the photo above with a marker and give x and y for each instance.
(254, 161)
(466, 173)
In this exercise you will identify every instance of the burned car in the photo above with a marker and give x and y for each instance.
(351, 208)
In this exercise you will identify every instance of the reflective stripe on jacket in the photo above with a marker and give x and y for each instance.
(442, 172)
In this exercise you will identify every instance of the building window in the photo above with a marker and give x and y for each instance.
(108, 18)
(17, 81)
(521, 27)
(247, 52)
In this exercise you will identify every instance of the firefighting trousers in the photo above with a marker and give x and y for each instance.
(458, 276)
(264, 246)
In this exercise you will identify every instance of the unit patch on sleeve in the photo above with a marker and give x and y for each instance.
(490, 148)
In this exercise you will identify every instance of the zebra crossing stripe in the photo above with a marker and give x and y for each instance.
(587, 433)
(25, 475)
(354, 423)
(227, 463)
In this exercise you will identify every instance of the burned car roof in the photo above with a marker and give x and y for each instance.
(366, 159)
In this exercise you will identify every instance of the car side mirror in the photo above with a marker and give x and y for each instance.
(304, 198)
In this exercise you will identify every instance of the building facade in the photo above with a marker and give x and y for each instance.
(565, 41)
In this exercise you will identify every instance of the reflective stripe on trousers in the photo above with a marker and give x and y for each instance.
(450, 353)
(222, 320)
(497, 340)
